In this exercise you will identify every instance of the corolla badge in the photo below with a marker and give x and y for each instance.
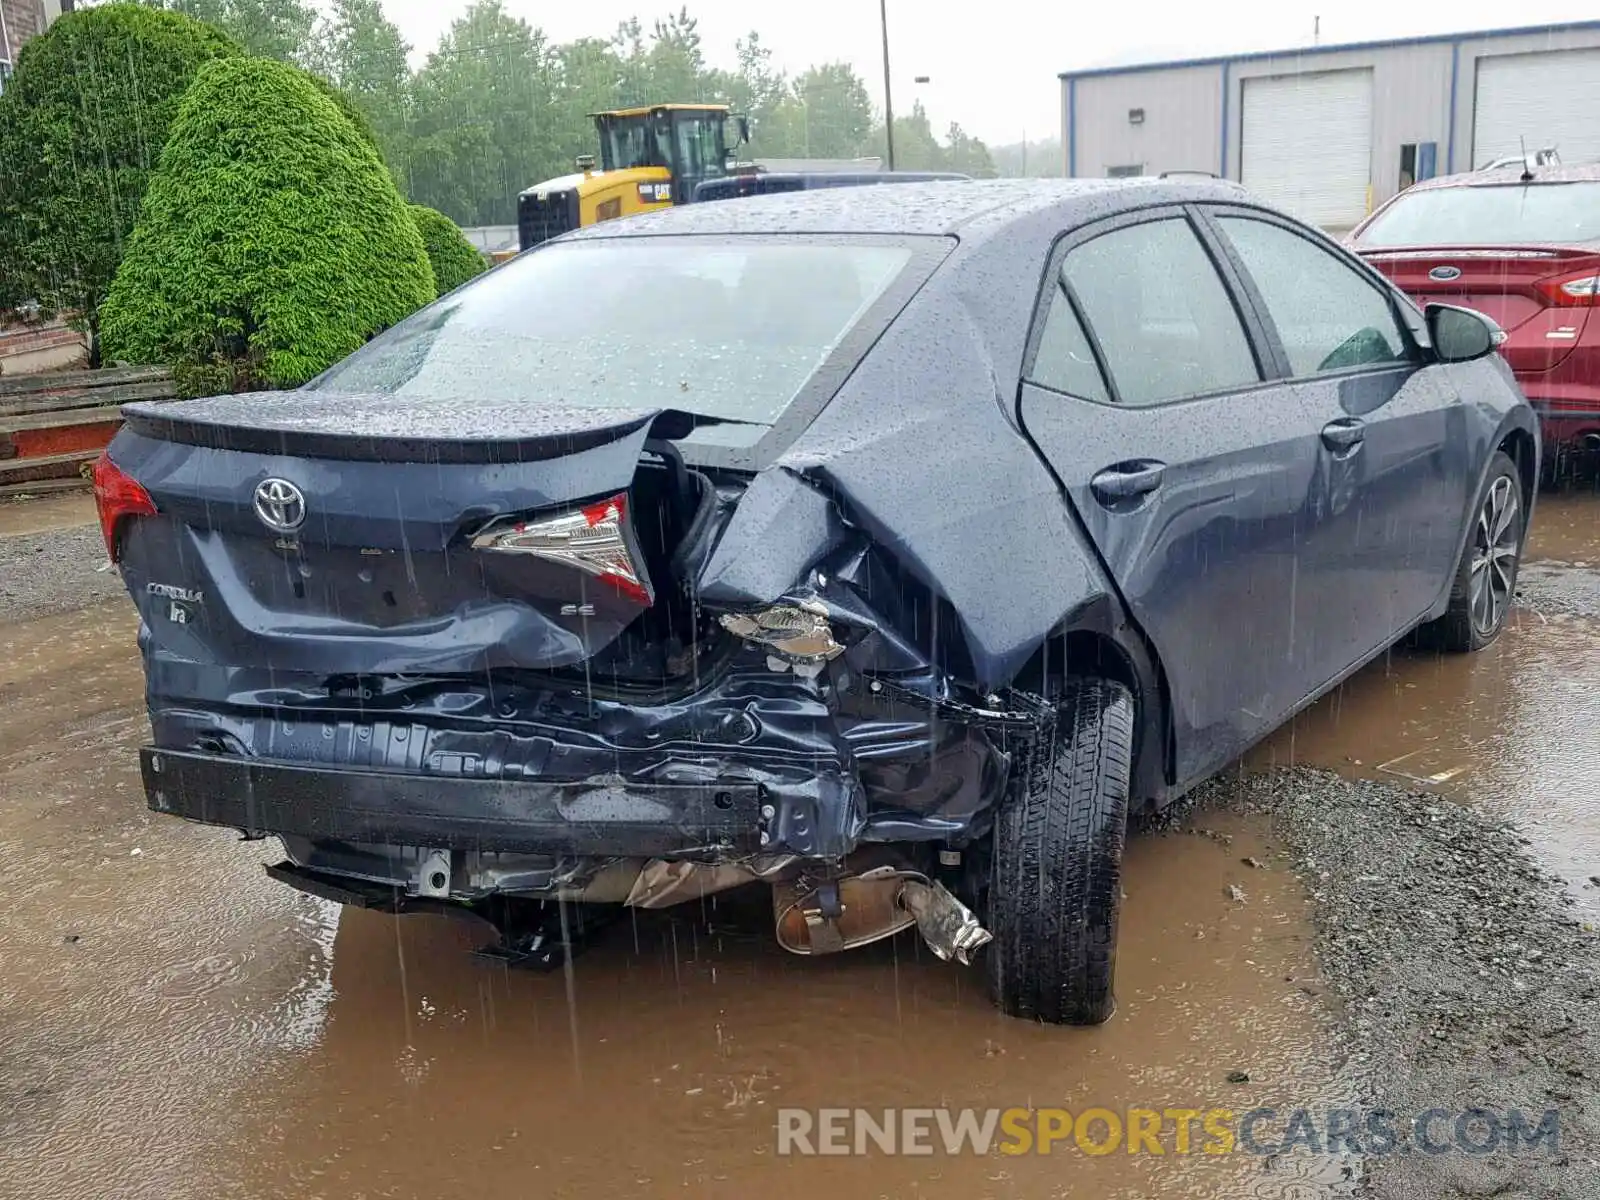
(1445, 274)
(280, 505)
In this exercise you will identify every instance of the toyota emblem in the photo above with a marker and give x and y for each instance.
(280, 505)
(1445, 274)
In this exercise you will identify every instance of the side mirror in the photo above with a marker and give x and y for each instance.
(742, 124)
(1461, 334)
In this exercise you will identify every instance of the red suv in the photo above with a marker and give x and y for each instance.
(1521, 245)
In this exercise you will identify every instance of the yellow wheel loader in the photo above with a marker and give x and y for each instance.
(650, 157)
(657, 155)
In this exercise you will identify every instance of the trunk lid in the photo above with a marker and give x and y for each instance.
(1503, 283)
(353, 536)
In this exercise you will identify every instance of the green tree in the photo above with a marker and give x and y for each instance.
(361, 51)
(454, 259)
(756, 88)
(483, 127)
(589, 76)
(826, 114)
(278, 29)
(915, 146)
(84, 120)
(271, 242)
(676, 64)
(967, 154)
(1035, 159)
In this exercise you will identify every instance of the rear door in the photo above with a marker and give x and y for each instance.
(1395, 466)
(1149, 390)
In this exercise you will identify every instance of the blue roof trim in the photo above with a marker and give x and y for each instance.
(1305, 51)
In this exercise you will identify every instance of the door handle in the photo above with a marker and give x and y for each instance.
(1346, 433)
(1127, 480)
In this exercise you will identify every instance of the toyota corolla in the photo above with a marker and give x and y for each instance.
(887, 549)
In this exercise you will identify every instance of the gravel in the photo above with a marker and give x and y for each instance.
(1466, 979)
(42, 574)
(1551, 587)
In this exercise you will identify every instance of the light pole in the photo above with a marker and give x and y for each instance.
(888, 98)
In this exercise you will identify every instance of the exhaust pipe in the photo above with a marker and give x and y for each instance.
(841, 914)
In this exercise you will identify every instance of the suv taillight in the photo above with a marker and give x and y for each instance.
(1571, 291)
(595, 539)
(117, 495)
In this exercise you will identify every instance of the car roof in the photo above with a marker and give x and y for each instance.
(1503, 176)
(941, 207)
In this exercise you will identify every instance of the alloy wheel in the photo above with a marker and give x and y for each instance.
(1495, 545)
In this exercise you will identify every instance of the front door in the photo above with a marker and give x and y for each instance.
(1151, 392)
(1395, 486)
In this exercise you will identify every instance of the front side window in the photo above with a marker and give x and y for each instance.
(1158, 308)
(1329, 317)
(700, 153)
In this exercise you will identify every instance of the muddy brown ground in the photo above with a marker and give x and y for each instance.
(172, 1024)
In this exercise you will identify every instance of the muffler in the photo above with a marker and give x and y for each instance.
(840, 914)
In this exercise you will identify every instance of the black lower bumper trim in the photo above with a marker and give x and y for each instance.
(1549, 412)
(602, 817)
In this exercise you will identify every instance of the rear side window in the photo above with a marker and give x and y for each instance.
(1329, 317)
(1065, 361)
(1158, 309)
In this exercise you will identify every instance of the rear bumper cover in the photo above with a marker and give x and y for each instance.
(589, 817)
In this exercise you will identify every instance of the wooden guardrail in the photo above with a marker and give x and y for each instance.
(51, 425)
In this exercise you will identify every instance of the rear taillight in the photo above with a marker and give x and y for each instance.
(1571, 291)
(117, 495)
(595, 539)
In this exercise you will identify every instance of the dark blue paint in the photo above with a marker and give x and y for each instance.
(937, 508)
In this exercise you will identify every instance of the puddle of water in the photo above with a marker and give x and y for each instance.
(41, 513)
(1566, 526)
(153, 975)
(442, 1075)
(177, 1025)
(1510, 730)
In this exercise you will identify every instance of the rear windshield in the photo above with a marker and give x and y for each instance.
(726, 327)
(1497, 215)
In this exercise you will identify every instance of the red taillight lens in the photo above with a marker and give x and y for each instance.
(117, 495)
(1571, 291)
(595, 539)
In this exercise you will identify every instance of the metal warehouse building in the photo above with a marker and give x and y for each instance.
(1329, 131)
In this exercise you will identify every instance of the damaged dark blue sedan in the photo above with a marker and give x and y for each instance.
(887, 548)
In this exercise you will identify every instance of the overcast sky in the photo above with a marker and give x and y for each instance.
(994, 66)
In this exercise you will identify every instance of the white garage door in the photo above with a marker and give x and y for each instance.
(1307, 144)
(1549, 99)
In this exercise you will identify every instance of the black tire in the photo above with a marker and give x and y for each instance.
(1056, 886)
(1470, 623)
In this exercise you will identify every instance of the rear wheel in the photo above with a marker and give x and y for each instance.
(1486, 577)
(1056, 885)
